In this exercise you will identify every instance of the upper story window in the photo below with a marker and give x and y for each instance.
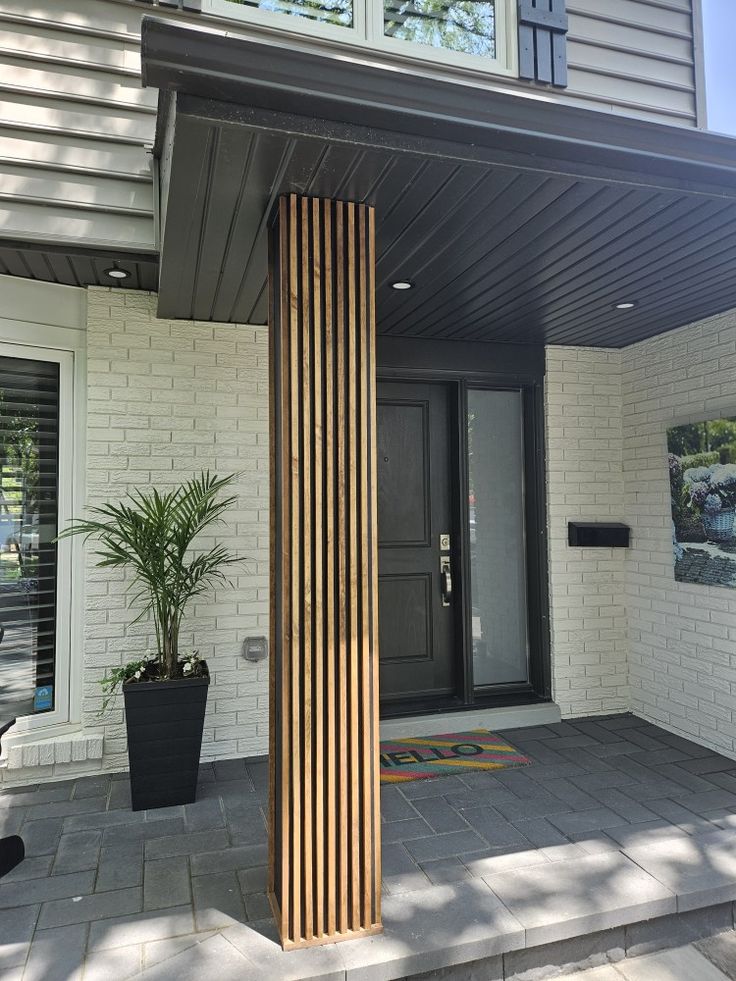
(339, 12)
(465, 26)
(474, 34)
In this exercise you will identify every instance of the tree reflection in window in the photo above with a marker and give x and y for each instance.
(467, 26)
(338, 12)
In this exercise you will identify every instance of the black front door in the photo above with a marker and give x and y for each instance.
(415, 508)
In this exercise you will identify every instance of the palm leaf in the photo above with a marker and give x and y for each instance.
(152, 534)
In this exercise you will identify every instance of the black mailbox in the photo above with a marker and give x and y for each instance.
(598, 534)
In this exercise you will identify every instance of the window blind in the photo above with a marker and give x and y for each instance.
(29, 481)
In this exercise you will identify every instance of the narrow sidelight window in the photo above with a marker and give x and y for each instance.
(497, 537)
(29, 493)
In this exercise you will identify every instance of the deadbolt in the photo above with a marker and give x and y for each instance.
(444, 543)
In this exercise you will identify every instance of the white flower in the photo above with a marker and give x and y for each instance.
(188, 667)
(697, 475)
(138, 673)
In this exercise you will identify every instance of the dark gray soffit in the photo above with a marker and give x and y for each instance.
(75, 265)
(502, 244)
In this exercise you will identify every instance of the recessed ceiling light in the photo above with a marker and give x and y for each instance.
(626, 305)
(116, 273)
(402, 284)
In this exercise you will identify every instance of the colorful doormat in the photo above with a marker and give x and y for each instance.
(452, 752)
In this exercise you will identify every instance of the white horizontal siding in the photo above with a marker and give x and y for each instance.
(55, 45)
(75, 124)
(79, 119)
(40, 222)
(75, 121)
(634, 57)
(41, 150)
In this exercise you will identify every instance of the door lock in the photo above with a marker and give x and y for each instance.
(445, 579)
(444, 543)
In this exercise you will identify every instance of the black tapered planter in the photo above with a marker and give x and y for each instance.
(164, 721)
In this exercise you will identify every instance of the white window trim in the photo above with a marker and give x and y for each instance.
(367, 33)
(66, 347)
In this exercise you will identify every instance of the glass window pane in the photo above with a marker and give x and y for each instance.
(467, 26)
(497, 539)
(29, 440)
(338, 12)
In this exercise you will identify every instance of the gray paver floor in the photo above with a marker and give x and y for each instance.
(129, 890)
(677, 964)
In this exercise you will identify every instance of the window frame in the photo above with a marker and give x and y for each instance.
(414, 51)
(67, 686)
(352, 35)
(367, 34)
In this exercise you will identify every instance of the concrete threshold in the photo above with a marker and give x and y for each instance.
(510, 717)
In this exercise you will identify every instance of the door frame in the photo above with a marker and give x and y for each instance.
(465, 365)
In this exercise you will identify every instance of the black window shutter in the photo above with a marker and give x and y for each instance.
(543, 41)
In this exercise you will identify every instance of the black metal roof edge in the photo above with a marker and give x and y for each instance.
(267, 76)
(209, 112)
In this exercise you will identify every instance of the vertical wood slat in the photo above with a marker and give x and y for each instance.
(373, 538)
(330, 625)
(319, 583)
(325, 803)
(341, 613)
(296, 761)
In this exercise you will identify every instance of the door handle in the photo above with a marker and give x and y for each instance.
(446, 579)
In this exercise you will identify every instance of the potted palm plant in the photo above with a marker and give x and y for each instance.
(151, 535)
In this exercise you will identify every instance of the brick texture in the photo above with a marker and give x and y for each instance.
(584, 482)
(682, 637)
(167, 399)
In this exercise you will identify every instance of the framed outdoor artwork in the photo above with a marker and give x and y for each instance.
(702, 467)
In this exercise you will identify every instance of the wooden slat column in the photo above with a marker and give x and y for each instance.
(325, 805)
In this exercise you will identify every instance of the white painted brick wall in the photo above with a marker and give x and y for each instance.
(584, 482)
(167, 399)
(682, 637)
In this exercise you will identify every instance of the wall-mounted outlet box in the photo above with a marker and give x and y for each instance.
(255, 648)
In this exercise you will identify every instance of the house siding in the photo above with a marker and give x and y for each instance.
(75, 123)
(584, 482)
(634, 57)
(167, 399)
(682, 637)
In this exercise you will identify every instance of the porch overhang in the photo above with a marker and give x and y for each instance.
(515, 218)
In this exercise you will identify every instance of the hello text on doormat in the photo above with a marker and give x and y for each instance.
(423, 757)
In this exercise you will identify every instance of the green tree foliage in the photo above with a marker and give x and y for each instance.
(19, 471)
(701, 437)
(457, 25)
(325, 12)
